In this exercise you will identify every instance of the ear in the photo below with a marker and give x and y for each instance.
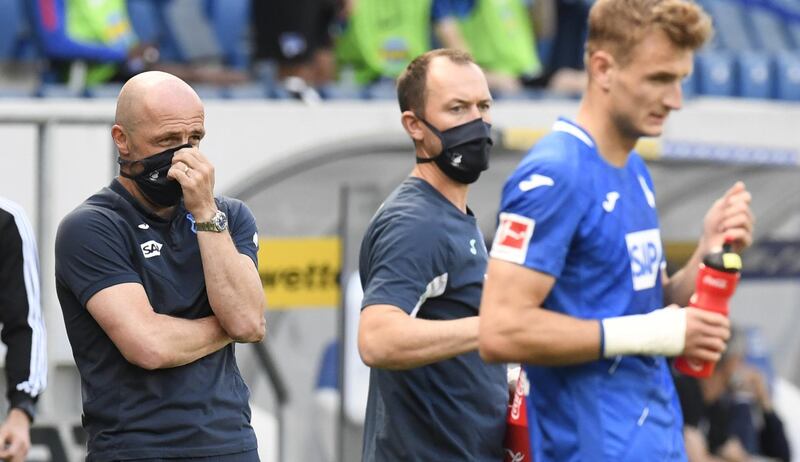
(120, 140)
(413, 126)
(602, 68)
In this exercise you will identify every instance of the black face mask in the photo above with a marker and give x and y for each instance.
(150, 175)
(465, 150)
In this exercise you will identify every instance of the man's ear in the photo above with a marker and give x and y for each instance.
(602, 69)
(120, 140)
(412, 125)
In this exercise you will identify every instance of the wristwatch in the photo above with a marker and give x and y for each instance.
(218, 223)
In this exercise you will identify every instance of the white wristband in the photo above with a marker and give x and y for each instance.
(661, 332)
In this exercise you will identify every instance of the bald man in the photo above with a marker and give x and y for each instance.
(157, 279)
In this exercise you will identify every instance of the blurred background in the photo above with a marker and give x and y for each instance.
(303, 126)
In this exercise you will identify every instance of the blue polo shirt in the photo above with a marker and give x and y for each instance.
(197, 410)
(594, 227)
(423, 255)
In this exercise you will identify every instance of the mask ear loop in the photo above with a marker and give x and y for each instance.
(435, 131)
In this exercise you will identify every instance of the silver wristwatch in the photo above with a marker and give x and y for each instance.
(218, 223)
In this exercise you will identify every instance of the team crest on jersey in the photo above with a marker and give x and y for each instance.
(151, 249)
(644, 249)
(513, 237)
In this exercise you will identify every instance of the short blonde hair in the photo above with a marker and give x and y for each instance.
(616, 26)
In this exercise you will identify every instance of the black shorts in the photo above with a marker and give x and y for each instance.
(291, 31)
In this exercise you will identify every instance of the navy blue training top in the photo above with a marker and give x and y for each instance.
(423, 255)
(199, 409)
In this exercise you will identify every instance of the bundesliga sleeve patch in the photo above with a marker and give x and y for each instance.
(512, 238)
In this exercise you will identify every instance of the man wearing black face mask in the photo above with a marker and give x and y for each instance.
(422, 262)
(157, 278)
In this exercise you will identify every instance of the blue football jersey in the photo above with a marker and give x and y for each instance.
(566, 212)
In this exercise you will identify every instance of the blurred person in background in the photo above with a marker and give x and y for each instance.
(298, 34)
(90, 42)
(23, 331)
(381, 37)
(729, 416)
(498, 34)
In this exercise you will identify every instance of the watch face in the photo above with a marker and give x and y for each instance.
(220, 220)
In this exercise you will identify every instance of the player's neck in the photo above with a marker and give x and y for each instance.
(613, 145)
(453, 191)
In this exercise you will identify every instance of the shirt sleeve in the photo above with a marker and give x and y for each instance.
(243, 229)
(89, 257)
(540, 209)
(406, 264)
(23, 330)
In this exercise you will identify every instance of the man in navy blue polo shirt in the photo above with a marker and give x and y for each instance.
(422, 263)
(157, 279)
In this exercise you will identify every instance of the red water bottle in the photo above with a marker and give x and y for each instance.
(716, 282)
(517, 443)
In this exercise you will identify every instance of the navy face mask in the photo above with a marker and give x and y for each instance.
(150, 175)
(465, 150)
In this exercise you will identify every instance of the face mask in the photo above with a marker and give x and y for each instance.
(150, 175)
(465, 150)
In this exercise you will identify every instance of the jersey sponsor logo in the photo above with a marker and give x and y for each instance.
(644, 249)
(515, 456)
(513, 237)
(151, 249)
(472, 248)
(611, 201)
(535, 181)
(144, 226)
(648, 193)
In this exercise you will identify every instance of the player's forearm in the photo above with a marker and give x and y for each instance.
(233, 286)
(413, 342)
(679, 287)
(538, 336)
(176, 341)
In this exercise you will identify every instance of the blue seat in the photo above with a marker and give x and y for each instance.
(754, 75)
(382, 89)
(731, 28)
(768, 29)
(714, 73)
(254, 90)
(787, 76)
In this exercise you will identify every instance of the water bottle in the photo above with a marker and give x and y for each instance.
(715, 285)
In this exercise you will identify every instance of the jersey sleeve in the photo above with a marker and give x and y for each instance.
(540, 209)
(89, 257)
(23, 330)
(405, 265)
(243, 229)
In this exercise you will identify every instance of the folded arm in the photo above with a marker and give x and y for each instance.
(148, 339)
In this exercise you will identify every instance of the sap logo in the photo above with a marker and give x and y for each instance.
(645, 251)
(151, 249)
(512, 237)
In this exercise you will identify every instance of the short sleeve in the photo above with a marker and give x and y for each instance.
(89, 256)
(540, 209)
(243, 229)
(405, 264)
